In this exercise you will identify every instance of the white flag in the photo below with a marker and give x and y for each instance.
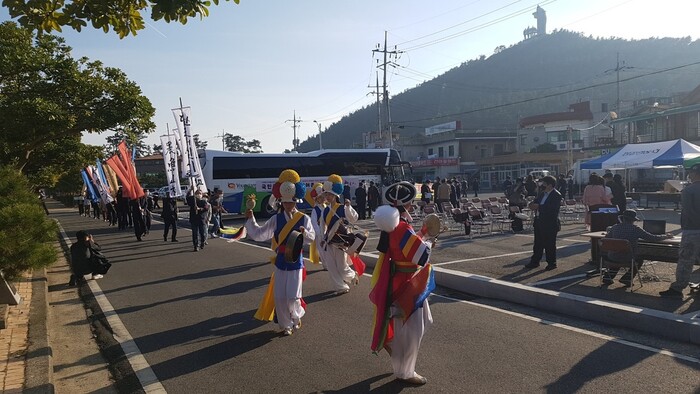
(169, 144)
(182, 117)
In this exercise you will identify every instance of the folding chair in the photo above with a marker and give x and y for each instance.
(606, 245)
(500, 218)
(478, 221)
(526, 218)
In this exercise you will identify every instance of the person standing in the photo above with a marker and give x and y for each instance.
(346, 193)
(317, 200)
(561, 185)
(199, 209)
(146, 203)
(594, 194)
(476, 182)
(546, 224)
(570, 187)
(170, 212)
(284, 296)
(42, 197)
(426, 193)
(619, 196)
(335, 217)
(137, 217)
(402, 280)
(361, 201)
(373, 198)
(436, 186)
(443, 194)
(507, 186)
(689, 253)
(531, 186)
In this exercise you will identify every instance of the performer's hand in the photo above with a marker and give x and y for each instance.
(302, 229)
(347, 202)
(248, 213)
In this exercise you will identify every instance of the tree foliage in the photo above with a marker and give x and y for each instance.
(236, 143)
(26, 232)
(544, 148)
(124, 17)
(46, 96)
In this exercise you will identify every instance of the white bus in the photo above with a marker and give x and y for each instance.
(242, 174)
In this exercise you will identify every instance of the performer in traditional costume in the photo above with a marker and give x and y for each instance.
(283, 297)
(335, 217)
(317, 201)
(401, 283)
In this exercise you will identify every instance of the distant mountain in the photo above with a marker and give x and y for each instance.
(530, 71)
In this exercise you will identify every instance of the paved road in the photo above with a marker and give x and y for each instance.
(191, 316)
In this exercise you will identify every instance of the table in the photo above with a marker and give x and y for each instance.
(665, 250)
(658, 197)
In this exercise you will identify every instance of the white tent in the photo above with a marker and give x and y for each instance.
(665, 154)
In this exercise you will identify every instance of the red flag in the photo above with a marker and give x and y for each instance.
(129, 170)
(116, 165)
(358, 264)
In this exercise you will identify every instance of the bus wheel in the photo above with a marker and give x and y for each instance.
(266, 210)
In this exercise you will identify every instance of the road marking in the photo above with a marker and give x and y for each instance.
(562, 279)
(148, 379)
(502, 255)
(578, 330)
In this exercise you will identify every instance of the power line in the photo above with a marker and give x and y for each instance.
(549, 95)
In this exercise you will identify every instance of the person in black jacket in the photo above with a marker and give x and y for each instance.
(80, 253)
(170, 217)
(546, 225)
(361, 201)
(199, 210)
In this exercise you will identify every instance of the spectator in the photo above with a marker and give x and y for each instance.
(594, 194)
(373, 198)
(443, 194)
(561, 185)
(517, 198)
(42, 197)
(361, 201)
(619, 196)
(436, 185)
(570, 187)
(690, 242)
(530, 186)
(217, 209)
(81, 253)
(546, 224)
(507, 186)
(156, 198)
(476, 182)
(346, 193)
(426, 194)
(458, 190)
(607, 180)
(199, 209)
(626, 229)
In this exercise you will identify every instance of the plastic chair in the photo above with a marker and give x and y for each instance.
(606, 245)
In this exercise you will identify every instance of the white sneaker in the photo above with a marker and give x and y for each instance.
(98, 276)
(287, 332)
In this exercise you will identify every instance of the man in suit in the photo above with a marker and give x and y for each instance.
(546, 225)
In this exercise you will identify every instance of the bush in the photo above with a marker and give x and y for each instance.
(26, 233)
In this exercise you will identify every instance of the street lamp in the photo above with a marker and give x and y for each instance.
(320, 142)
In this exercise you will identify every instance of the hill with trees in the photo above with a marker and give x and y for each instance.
(540, 75)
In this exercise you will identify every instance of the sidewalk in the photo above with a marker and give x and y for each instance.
(48, 345)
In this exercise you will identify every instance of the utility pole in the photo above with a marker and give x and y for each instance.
(295, 141)
(320, 141)
(386, 114)
(223, 139)
(379, 107)
(570, 151)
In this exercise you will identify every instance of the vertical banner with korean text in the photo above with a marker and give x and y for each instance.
(193, 168)
(181, 115)
(169, 144)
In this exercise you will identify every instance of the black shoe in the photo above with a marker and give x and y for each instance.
(175, 240)
(608, 281)
(532, 264)
(550, 267)
(139, 239)
(165, 239)
(196, 249)
(201, 246)
(671, 293)
(627, 282)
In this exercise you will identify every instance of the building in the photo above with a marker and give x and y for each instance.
(150, 165)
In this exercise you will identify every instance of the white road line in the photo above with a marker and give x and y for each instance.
(558, 239)
(562, 279)
(148, 379)
(578, 330)
(501, 255)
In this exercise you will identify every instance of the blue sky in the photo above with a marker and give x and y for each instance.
(246, 68)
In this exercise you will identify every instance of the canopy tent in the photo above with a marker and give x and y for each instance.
(689, 162)
(651, 155)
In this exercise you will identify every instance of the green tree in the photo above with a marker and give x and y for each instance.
(63, 157)
(199, 144)
(544, 148)
(133, 140)
(22, 246)
(46, 95)
(236, 143)
(124, 17)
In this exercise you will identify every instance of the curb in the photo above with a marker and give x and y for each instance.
(664, 324)
(39, 364)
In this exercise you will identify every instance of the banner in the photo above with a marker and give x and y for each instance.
(129, 170)
(192, 168)
(182, 115)
(88, 186)
(169, 144)
(111, 179)
(100, 187)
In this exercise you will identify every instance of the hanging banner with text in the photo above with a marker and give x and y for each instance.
(169, 144)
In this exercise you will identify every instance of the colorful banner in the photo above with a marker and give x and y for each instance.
(169, 144)
(129, 170)
(111, 179)
(88, 186)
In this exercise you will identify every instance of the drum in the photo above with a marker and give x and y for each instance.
(350, 243)
(293, 247)
(432, 225)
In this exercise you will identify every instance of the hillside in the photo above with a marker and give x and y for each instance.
(559, 62)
